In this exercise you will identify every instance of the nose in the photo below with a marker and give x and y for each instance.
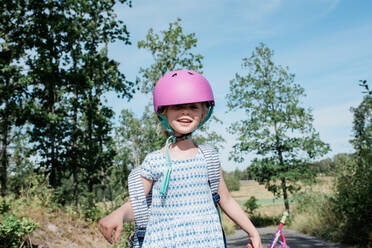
(185, 110)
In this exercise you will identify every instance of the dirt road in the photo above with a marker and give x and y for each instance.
(294, 239)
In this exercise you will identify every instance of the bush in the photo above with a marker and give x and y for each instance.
(4, 205)
(263, 220)
(311, 214)
(128, 229)
(13, 231)
(251, 205)
(91, 213)
(352, 203)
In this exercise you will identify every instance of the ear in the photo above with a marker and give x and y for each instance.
(203, 115)
(204, 112)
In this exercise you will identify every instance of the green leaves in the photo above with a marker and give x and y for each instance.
(13, 230)
(171, 51)
(276, 128)
(352, 201)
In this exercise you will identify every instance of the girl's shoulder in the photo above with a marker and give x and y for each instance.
(155, 155)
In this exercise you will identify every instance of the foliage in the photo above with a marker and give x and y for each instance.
(55, 72)
(276, 127)
(171, 51)
(345, 216)
(251, 205)
(91, 213)
(4, 205)
(263, 220)
(14, 230)
(128, 229)
(13, 82)
(21, 168)
(352, 201)
(136, 137)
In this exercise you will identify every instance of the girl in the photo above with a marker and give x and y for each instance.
(182, 209)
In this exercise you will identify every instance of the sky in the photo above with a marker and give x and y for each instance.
(327, 44)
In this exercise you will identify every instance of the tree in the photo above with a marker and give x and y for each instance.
(171, 51)
(102, 74)
(138, 136)
(352, 202)
(277, 129)
(94, 25)
(47, 27)
(13, 83)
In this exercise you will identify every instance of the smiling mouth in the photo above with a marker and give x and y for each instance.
(186, 121)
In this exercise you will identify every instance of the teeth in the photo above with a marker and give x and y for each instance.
(185, 121)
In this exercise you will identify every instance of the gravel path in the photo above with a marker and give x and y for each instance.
(294, 239)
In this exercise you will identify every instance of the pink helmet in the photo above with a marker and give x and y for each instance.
(182, 87)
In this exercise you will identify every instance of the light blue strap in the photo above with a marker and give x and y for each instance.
(165, 181)
(165, 124)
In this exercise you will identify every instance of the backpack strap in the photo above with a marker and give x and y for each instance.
(213, 162)
(140, 205)
(214, 165)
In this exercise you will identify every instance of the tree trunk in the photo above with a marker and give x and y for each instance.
(75, 187)
(53, 177)
(103, 186)
(4, 156)
(285, 195)
(281, 163)
(110, 191)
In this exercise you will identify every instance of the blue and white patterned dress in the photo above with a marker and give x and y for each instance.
(186, 216)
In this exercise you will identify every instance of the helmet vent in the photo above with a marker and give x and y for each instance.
(190, 73)
(175, 74)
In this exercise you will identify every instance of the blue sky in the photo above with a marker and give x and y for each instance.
(326, 43)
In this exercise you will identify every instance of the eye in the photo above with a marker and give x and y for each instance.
(177, 106)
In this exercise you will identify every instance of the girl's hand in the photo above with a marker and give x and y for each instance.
(255, 242)
(110, 223)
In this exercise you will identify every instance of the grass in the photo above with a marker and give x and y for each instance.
(274, 208)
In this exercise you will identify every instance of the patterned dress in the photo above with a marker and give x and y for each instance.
(186, 216)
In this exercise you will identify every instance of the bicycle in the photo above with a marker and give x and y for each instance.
(279, 233)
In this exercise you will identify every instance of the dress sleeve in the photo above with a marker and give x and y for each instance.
(150, 169)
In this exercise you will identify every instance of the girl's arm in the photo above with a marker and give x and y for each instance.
(114, 222)
(236, 214)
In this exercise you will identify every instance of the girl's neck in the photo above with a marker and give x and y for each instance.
(183, 144)
(182, 149)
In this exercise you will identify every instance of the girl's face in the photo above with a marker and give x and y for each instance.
(184, 118)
